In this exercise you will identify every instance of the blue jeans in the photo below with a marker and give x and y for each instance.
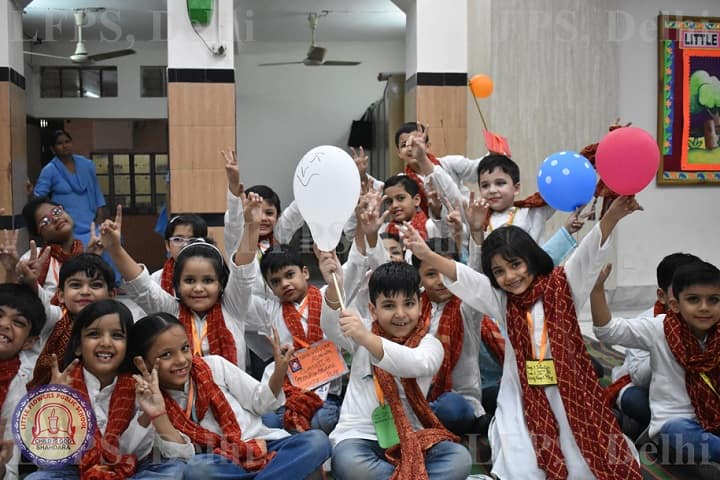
(360, 459)
(297, 457)
(687, 440)
(168, 469)
(456, 413)
(635, 403)
(324, 419)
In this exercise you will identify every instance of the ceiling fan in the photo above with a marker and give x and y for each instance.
(81, 55)
(316, 55)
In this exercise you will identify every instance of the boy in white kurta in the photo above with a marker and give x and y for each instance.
(383, 416)
(684, 346)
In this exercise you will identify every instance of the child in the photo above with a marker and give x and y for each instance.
(49, 220)
(294, 310)
(455, 395)
(22, 317)
(447, 173)
(684, 346)
(179, 232)
(498, 178)
(210, 303)
(218, 406)
(96, 364)
(395, 347)
(540, 429)
(83, 279)
(403, 199)
(631, 380)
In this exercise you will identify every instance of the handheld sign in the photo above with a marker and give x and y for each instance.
(316, 365)
(53, 426)
(326, 186)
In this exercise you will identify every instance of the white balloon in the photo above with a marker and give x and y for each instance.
(326, 187)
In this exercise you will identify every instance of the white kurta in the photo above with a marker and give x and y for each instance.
(248, 398)
(152, 298)
(513, 454)
(636, 364)
(400, 361)
(669, 398)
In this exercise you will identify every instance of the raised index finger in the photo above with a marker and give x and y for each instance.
(140, 364)
(118, 215)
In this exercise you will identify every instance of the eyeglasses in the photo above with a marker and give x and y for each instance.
(47, 220)
(182, 241)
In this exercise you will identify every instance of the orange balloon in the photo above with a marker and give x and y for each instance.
(481, 86)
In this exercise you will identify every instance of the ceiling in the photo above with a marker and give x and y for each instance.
(270, 20)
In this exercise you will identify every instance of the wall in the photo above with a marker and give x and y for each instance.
(676, 218)
(128, 103)
(282, 112)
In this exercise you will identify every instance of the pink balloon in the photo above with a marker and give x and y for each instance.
(627, 160)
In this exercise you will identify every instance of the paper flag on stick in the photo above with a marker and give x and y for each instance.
(496, 143)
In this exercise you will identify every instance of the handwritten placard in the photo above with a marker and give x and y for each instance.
(316, 365)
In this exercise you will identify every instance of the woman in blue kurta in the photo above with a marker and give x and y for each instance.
(70, 180)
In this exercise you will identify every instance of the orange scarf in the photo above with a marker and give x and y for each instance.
(301, 405)
(412, 174)
(593, 425)
(8, 369)
(56, 343)
(166, 279)
(251, 455)
(687, 351)
(220, 339)
(450, 332)
(104, 461)
(409, 455)
(419, 223)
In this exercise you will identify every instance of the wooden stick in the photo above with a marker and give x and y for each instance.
(339, 293)
(482, 117)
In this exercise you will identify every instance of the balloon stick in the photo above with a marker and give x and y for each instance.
(482, 117)
(339, 293)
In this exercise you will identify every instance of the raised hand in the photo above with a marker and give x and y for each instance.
(414, 242)
(28, 271)
(370, 219)
(576, 220)
(8, 248)
(434, 199)
(603, 276)
(62, 378)
(281, 353)
(252, 208)
(476, 211)
(147, 390)
(94, 245)
(111, 230)
(232, 171)
(361, 161)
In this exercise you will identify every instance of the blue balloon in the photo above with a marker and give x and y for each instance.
(566, 181)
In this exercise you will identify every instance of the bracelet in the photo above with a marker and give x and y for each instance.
(334, 304)
(156, 416)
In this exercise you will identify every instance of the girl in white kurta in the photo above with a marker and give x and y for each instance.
(515, 272)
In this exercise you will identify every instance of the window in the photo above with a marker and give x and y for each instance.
(74, 82)
(138, 181)
(153, 81)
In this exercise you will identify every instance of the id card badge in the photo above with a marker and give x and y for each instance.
(541, 373)
(384, 423)
(322, 391)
